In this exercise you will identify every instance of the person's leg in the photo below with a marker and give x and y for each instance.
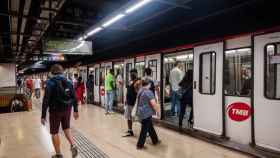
(66, 128)
(54, 120)
(152, 131)
(191, 116)
(143, 133)
(56, 143)
(107, 100)
(177, 104)
(182, 114)
(173, 102)
(111, 101)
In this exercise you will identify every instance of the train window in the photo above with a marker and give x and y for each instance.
(207, 77)
(153, 66)
(140, 66)
(96, 77)
(237, 72)
(272, 71)
(127, 72)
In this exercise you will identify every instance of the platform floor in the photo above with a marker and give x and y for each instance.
(22, 136)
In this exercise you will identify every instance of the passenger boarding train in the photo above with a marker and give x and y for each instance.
(236, 85)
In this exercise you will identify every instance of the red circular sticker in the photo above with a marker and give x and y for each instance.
(239, 111)
(102, 91)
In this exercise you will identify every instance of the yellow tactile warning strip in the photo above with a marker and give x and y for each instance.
(85, 147)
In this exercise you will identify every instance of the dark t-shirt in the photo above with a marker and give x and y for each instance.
(131, 94)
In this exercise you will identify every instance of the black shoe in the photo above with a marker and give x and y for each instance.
(129, 134)
(57, 156)
(140, 147)
(158, 142)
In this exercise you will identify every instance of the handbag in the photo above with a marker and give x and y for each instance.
(135, 109)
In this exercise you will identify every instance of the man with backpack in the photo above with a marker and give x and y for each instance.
(59, 98)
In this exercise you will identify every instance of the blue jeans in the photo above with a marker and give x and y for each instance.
(175, 103)
(109, 101)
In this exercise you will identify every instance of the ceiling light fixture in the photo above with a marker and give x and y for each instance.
(137, 6)
(113, 20)
(94, 31)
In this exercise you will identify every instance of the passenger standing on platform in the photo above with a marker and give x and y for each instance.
(37, 87)
(147, 107)
(175, 78)
(75, 80)
(90, 89)
(154, 86)
(29, 87)
(59, 98)
(130, 100)
(186, 89)
(80, 90)
(109, 89)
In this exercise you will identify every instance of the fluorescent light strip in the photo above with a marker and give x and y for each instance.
(137, 6)
(113, 20)
(94, 31)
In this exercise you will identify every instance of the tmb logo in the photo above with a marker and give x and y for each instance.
(239, 111)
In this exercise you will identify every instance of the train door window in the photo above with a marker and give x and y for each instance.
(96, 77)
(127, 72)
(207, 80)
(140, 66)
(102, 76)
(272, 71)
(118, 69)
(237, 72)
(153, 66)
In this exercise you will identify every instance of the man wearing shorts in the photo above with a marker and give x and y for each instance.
(130, 101)
(59, 98)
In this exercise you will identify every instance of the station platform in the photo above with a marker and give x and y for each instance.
(98, 136)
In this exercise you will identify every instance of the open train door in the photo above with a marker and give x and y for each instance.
(96, 84)
(207, 93)
(267, 90)
(104, 69)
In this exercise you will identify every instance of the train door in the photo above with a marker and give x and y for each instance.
(207, 93)
(267, 90)
(104, 70)
(140, 66)
(238, 89)
(96, 84)
(186, 60)
(119, 75)
(153, 62)
(128, 65)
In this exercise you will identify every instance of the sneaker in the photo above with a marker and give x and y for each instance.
(74, 151)
(57, 156)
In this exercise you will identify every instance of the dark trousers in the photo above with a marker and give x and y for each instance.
(182, 114)
(147, 126)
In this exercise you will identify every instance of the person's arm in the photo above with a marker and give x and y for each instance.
(154, 105)
(46, 101)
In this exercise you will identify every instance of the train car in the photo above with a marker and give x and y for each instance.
(236, 85)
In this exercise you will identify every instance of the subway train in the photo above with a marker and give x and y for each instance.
(236, 84)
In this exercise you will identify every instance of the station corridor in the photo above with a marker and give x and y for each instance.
(22, 136)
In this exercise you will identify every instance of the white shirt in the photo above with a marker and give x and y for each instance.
(175, 77)
(119, 79)
(37, 83)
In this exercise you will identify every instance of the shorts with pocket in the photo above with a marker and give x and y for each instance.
(127, 112)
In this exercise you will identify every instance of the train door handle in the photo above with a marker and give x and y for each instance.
(194, 85)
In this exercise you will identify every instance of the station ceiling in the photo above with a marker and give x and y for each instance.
(158, 25)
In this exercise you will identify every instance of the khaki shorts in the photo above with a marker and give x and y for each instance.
(127, 112)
